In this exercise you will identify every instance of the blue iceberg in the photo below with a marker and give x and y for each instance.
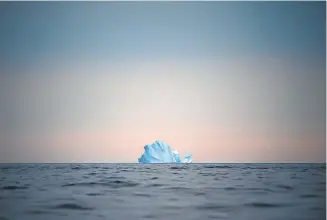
(160, 152)
(188, 158)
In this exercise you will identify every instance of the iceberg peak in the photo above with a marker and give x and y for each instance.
(160, 152)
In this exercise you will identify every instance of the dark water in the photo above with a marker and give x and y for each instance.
(185, 191)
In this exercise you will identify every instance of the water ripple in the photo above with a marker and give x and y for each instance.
(264, 205)
(72, 206)
(14, 187)
(113, 184)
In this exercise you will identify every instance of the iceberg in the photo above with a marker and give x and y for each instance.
(160, 152)
(188, 158)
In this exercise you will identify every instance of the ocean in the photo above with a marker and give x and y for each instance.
(163, 191)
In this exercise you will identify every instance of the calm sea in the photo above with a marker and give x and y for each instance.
(163, 191)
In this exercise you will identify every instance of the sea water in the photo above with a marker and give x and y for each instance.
(163, 191)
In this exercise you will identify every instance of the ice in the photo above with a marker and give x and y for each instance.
(176, 156)
(188, 158)
(160, 152)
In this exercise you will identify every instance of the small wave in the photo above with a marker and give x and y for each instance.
(149, 216)
(72, 206)
(14, 187)
(308, 196)
(296, 177)
(217, 166)
(223, 174)
(112, 184)
(142, 194)
(109, 178)
(317, 209)
(199, 193)
(208, 174)
(230, 188)
(264, 205)
(220, 215)
(212, 206)
(37, 212)
(127, 170)
(155, 185)
(94, 194)
(172, 207)
(178, 188)
(179, 168)
(256, 168)
(287, 187)
(259, 189)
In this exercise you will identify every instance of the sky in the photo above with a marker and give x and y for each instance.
(224, 81)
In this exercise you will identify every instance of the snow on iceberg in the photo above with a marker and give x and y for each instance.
(160, 152)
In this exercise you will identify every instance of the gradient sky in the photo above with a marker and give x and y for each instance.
(225, 81)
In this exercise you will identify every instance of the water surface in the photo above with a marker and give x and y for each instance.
(163, 191)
